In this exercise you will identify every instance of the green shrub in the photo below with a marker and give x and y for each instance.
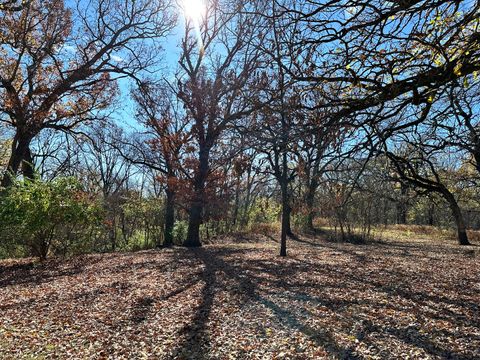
(180, 231)
(264, 210)
(42, 216)
(141, 222)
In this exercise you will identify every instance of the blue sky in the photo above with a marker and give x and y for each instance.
(167, 59)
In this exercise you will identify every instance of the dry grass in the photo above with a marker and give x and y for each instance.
(266, 229)
(474, 236)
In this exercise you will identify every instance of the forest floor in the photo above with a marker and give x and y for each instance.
(395, 299)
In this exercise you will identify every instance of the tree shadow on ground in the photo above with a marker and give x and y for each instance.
(198, 337)
(39, 273)
(351, 288)
(249, 275)
(141, 308)
(326, 238)
(195, 334)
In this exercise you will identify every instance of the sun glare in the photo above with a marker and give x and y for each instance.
(194, 10)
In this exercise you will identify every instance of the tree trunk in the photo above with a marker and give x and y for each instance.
(236, 203)
(169, 218)
(310, 217)
(401, 213)
(285, 208)
(431, 214)
(28, 170)
(458, 216)
(289, 221)
(402, 207)
(246, 207)
(20, 156)
(194, 222)
(113, 234)
(196, 209)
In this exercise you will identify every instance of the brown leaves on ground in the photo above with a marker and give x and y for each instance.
(394, 300)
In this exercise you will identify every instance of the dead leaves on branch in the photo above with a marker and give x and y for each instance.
(240, 301)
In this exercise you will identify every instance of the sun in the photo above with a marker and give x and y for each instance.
(194, 10)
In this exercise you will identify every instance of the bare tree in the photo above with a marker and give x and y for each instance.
(216, 83)
(420, 169)
(57, 73)
(167, 138)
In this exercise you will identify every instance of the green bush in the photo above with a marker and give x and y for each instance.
(264, 210)
(180, 231)
(141, 222)
(40, 217)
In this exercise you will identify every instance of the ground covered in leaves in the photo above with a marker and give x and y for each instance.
(386, 300)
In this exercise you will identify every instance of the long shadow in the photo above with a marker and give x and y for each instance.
(38, 273)
(141, 308)
(329, 236)
(151, 264)
(196, 336)
(288, 275)
(378, 246)
(330, 245)
(287, 317)
(420, 298)
(247, 291)
(413, 336)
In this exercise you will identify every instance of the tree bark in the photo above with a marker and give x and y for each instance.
(28, 170)
(113, 232)
(20, 156)
(285, 207)
(196, 209)
(459, 220)
(402, 207)
(309, 202)
(236, 203)
(401, 214)
(289, 220)
(244, 218)
(194, 222)
(431, 214)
